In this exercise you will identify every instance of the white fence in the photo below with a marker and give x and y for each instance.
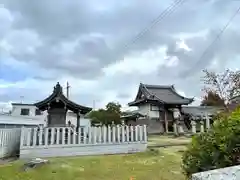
(66, 141)
(9, 142)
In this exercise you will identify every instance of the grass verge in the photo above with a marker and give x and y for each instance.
(157, 164)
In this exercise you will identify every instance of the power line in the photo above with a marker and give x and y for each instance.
(217, 37)
(168, 11)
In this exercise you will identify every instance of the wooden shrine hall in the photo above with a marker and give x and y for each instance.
(57, 106)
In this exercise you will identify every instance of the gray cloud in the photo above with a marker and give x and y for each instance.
(65, 21)
(78, 38)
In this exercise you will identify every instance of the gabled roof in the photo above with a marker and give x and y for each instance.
(57, 95)
(165, 94)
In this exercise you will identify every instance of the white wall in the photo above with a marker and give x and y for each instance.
(97, 149)
(32, 119)
(146, 110)
(21, 120)
(16, 109)
(73, 119)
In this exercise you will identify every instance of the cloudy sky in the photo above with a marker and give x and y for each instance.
(84, 42)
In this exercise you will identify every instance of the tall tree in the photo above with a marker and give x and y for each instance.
(114, 112)
(212, 99)
(226, 84)
(111, 113)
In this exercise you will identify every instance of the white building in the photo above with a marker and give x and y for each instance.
(29, 115)
(22, 115)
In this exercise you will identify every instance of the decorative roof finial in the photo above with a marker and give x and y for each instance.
(58, 88)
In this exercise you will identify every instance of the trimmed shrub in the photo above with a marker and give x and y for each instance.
(217, 148)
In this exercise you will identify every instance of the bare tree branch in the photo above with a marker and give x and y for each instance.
(226, 85)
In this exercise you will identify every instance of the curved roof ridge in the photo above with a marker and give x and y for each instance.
(144, 86)
(57, 93)
(172, 87)
(157, 86)
(175, 92)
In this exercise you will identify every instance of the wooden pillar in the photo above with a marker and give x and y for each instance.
(78, 120)
(48, 116)
(166, 121)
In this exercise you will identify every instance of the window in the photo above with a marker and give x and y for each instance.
(25, 112)
(38, 112)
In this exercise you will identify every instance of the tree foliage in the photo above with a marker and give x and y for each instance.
(111, 113)
(212, 99)
(225, 85)
(217, 148)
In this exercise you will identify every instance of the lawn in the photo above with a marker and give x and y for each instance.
(167, 140)
(160, 164)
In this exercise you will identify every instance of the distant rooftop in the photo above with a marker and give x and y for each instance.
(165, 94)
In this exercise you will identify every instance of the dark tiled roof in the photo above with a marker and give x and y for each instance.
(200, 110)
(58, 95)
(22, 104)
(165, 94)
(132, 115)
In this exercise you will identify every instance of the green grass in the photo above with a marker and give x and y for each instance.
(167, 140)
(163, 164)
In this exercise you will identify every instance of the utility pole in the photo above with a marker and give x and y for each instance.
(94, 103)
(68, 86)
(21, 97)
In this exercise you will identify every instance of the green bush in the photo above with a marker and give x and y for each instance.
(217, 148)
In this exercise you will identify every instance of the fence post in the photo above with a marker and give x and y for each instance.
(80, 134)
(58, 136)
(127, 133)
(1, 137)
(40, 135)
(140, 133)
(118, 134)
(123, 132)
(89, 135)
(74, 134)
(46, 136)
(104, 134)
(201, 126)
(84, 135)
(34, 136)
(113, 132)
(109, 134)
(94, 135)
(136, 133)
(69, 135)
(52, 135)
(132, 133)
(100, 134)
(145, 133)
(22, 136)
(29, 136)
(63, 135)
